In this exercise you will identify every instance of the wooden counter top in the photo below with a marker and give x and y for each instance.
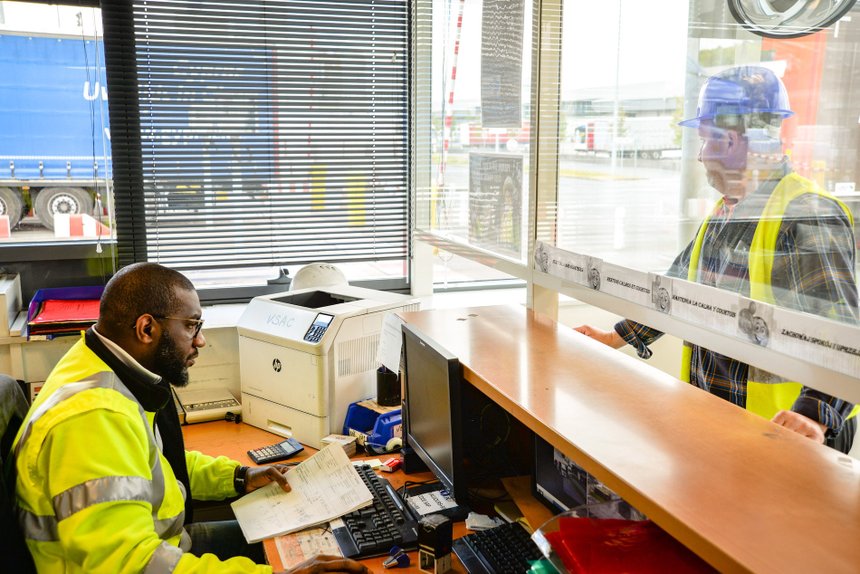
(740, 491)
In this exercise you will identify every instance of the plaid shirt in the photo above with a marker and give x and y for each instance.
(813, 271)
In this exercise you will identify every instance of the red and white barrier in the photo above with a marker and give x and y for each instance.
(79, 225)
(449, 105)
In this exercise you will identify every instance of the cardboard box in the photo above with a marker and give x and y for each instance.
(10, 302)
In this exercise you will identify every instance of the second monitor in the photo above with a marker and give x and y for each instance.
(432, 411)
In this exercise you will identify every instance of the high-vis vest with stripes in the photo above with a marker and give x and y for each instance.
(94, 492)
(763, 398)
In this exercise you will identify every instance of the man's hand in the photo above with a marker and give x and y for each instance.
(323, 563)
(259, 476)
(801, 425)
(610, 338)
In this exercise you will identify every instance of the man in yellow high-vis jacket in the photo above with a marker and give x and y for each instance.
(774, 237)
(103, 479)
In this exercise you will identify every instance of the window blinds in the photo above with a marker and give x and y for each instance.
(269, 132)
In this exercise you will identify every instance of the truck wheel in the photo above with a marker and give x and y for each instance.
(70, 200)
(11, 204)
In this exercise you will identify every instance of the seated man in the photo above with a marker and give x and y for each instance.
(104, 483)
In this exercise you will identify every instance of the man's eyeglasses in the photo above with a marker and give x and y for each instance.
(196, 324)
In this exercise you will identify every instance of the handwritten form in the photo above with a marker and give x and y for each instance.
(324, 487)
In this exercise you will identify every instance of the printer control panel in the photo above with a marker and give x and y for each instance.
(318, 328)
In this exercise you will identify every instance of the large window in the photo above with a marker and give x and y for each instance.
(258, 135)
(473, 192)
(611, 179)
(55, 143)
(600, 94)
(631, 189)
(619, 149)
(56, 208)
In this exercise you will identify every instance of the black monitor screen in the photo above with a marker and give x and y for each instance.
(432, 398)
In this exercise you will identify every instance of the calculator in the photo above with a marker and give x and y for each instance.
(275, 452)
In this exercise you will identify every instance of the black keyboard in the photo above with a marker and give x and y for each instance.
(505, 549)
(373, 530)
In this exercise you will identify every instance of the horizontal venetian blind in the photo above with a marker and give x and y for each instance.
(270, 132)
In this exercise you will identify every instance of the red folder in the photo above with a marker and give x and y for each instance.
(611, 546)
(67, 311)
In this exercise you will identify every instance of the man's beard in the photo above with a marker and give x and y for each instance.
(169, 363)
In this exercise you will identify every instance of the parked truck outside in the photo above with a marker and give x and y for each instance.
(55, 141)
(646, 136)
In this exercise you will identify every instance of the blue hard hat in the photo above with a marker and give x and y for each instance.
(738, 91)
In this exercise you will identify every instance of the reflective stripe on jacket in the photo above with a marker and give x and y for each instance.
(764, 397)
(94, 492)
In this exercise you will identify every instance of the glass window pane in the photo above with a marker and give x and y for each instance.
(480, 126)
(634, 185)
(269, 134)
(55, 165)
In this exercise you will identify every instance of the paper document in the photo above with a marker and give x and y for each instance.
(390, 341)
(430, 502)
(324, 487)
(305, 544)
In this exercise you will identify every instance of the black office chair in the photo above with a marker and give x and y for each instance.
(13, 409)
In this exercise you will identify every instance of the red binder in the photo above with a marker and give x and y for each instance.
(611, 546)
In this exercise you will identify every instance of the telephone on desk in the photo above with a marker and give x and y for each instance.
(200, 405)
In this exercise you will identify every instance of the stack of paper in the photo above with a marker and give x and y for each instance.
(324, 487)
(346, 441)
(477, 522)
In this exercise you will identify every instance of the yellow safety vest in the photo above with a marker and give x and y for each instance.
(94, 491)
(763, 398)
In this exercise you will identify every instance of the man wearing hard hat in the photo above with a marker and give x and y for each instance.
(773, 236)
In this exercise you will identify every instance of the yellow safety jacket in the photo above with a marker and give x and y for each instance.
(763, 398)
(94, 492)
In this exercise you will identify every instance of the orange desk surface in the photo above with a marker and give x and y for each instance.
(740, 491)
(234, 440)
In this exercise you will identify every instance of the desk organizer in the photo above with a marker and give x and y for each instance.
(378, 429)
(80, 311)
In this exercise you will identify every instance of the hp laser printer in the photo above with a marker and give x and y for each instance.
(306, 355)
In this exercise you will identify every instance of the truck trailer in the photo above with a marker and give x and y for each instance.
(55, 141)
(645, 136)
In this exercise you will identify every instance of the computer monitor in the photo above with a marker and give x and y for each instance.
(558, 482)
(562, 485)
(432, 421)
